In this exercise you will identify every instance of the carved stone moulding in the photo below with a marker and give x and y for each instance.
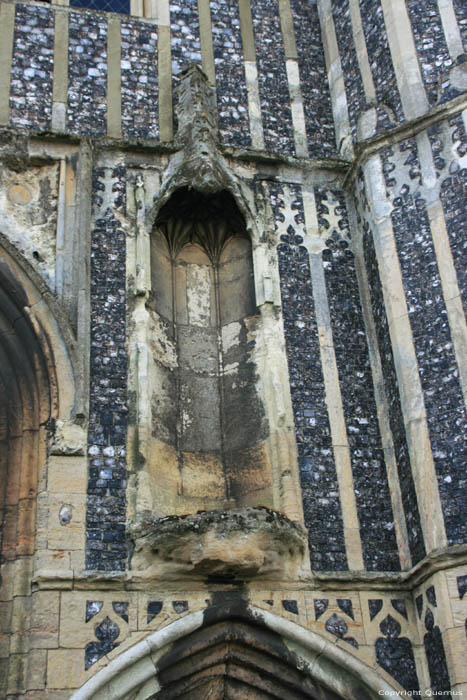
(226, 545)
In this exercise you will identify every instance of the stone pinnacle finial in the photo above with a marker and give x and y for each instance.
(196, 108)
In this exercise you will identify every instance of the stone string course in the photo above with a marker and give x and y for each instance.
(106, 511)
(321, 501)
(353, 364)
(87, 74)
(139, 81)
(32, 68)
(232, 103)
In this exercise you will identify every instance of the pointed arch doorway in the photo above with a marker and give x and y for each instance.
(234, 651)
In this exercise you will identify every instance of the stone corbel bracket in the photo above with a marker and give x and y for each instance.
(230, 545)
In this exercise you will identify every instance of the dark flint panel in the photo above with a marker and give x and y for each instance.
(395, 655)
(460, 10)
(272, 77)
(185, 37)
(352, 78)
(372, 495)
(139, 80)
(106, 504)
(432, 50)
(32, 68)
(320, 490)
(401, 450)
(453, 198)
(314, 82)
(436, 657)
(379, 56)
(439, 374)
(232, 100)
(87, 74)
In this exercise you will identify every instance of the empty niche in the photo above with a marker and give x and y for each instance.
(208, 422)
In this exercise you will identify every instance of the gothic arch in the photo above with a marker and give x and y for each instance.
(36, 386)
(234, 650)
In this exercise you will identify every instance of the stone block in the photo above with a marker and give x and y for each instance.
(65, 669)
(67, 474)
(45, 606)
(36, 670)
(67, 513)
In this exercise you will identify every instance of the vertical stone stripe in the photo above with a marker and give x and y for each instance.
(387, 441)
(347, 46)
(60, 235)
(353, 543)
(451, 290)
(460, 10)
(336, 80)
(293, 76)
(452, 194)
(164, 77)
(417, 244)
(451, 28)
(137, 8)
(379, 55)
(60, 80)
(340, 447)
(405, 359)
(205, 32)
(319, 483)
(251, 75)
(350, 53)
(350, 349)
(7, 28)
(444, 259)
(404, 58)
(296, 103)
(80, 254)
(362, 53)
(272, 77)
(314, 87)
(114, 79)
(390, 395)
(432, 51)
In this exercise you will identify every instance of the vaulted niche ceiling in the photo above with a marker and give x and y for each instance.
(206, 413)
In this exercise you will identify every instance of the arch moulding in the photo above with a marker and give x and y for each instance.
(145, 670)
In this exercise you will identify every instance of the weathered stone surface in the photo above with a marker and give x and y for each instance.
(236, 544)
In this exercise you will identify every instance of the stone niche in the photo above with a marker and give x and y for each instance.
(208, 421)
